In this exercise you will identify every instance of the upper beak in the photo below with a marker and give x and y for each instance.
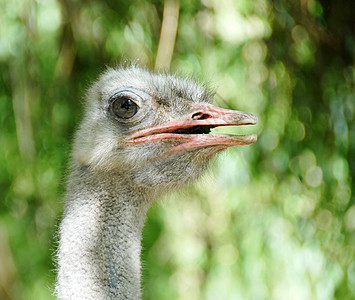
(190, 130)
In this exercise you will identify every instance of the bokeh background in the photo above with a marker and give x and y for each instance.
(275, 220)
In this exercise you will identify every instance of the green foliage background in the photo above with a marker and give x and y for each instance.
(275, 220)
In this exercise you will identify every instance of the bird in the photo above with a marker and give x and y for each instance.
(143, 134)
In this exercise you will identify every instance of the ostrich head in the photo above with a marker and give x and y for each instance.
(142, 135)
(153, 129)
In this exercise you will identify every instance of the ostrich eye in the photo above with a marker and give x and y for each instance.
(123, 107)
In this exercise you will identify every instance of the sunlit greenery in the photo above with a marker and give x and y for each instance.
(275, 220)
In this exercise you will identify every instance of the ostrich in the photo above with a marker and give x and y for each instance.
(142, 135)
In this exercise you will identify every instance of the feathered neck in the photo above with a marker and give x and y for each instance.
(100, 237)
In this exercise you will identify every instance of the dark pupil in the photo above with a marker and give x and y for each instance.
(124, 108)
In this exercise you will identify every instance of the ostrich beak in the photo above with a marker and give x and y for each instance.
(192, 131)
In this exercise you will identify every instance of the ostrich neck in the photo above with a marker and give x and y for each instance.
(100, 238)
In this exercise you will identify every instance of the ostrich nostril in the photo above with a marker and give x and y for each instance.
(200, 116)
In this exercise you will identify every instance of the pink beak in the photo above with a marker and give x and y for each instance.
(192, 130)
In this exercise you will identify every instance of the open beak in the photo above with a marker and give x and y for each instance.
(192, 131)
